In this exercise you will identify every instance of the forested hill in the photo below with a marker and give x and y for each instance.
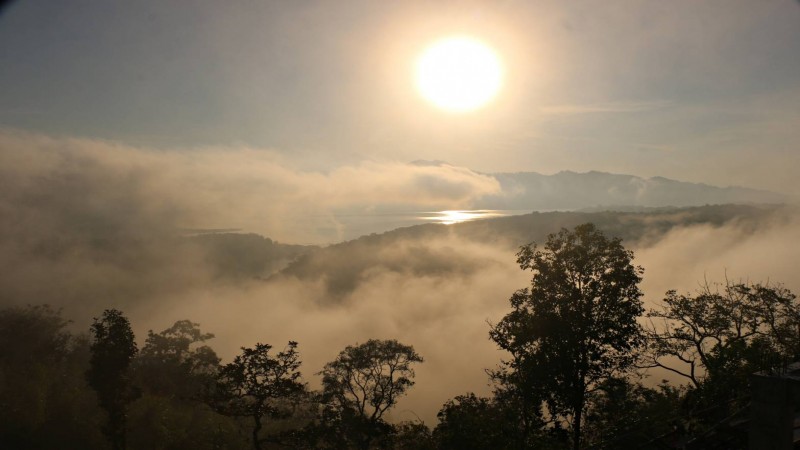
(634, 227)
(85, 272)
(239, 255)
(410, 250)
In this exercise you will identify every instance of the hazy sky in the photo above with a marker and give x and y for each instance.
(703, 91)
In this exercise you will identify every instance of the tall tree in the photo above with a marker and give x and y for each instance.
(113, 350)
(576, 325)
(365, 381)
(260, 386)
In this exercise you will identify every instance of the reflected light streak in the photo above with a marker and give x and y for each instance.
(458, 216)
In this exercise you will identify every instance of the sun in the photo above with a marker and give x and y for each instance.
(459, 74)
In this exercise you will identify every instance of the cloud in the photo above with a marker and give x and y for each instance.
(104, 187)
(685, 256)
(92, 224)
(443, 314)
(608, 107)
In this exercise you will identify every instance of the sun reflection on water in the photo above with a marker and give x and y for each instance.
(458, 216)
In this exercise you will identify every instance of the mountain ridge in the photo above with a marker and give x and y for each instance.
(571, 190)
(574, 190)
(407, 250)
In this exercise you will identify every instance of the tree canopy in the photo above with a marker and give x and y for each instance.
(364, 381)
(258, 385)
(113, 350)
(44, 398)
(171, 362)
(575, 326)
(716, 338)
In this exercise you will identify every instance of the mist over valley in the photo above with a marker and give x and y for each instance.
(87, 231)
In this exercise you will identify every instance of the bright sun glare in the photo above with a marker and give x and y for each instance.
(459, 74)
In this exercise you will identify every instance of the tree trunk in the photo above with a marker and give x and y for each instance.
(527, 413)
(576, 429)
(578, 414)
(256, 429)
(366, 439)
(116, 429)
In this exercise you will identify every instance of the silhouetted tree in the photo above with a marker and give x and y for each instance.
(576, 325)
(44, 400)
(169, 365)
(624, 414)
(176, 373)
(113, 350)
(718, 337)
(412, 436)
(468, 422)
(518, 395)
(258, 385)
(363, 382)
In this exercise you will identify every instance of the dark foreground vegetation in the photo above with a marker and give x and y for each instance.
(578, 341)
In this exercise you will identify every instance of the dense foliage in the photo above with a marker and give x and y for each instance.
(113, 349)
(574, 328)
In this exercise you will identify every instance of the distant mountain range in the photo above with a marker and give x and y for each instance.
(571, 191)
(568, 190)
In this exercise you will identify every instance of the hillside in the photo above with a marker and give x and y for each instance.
(408, 250)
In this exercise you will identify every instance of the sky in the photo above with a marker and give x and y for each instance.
(696, 91)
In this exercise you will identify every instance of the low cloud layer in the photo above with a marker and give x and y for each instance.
(100, 187)
(445, 315)
(88, 225)
(687, 256)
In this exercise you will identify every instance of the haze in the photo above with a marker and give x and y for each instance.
(128, 129)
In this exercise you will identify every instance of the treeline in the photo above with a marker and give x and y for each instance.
(61, 390)
(578, 342)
